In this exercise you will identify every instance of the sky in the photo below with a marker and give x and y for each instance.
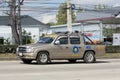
(110, 2)
(46, 10)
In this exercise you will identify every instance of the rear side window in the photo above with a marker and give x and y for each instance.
(87, 40)
(74, 40)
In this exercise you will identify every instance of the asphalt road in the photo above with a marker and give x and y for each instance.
(103, 69)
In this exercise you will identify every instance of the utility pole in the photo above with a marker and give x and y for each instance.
(101, 31)
(19, 21)
(69, 16)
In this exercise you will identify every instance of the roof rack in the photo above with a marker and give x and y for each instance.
(67, 32)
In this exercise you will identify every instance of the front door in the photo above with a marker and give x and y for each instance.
(61, 50)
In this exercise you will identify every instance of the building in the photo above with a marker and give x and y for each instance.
(84, 28)
(29, 24)
(91, 23)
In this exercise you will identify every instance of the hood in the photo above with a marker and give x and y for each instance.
(34, 45)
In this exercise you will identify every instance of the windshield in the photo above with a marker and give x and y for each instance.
(46, 40)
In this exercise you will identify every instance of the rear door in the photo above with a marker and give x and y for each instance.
(75, 47)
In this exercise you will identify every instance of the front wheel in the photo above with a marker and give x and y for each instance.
(26, 61)
(89, 57)
(42, 58)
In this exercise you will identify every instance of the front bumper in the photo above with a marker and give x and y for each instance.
(26, 55)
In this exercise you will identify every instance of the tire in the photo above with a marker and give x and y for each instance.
(89, 57)
(42, 58)
(72, 60)
(26, 61)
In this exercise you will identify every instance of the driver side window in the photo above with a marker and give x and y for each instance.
(63, 40)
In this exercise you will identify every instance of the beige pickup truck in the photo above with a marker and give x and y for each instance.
(71, 47)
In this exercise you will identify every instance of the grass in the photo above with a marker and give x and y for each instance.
(10, 56)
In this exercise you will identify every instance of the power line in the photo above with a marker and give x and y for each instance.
(44, 8)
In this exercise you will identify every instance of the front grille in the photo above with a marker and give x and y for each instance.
(22, 49)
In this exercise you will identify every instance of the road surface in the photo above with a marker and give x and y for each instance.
(103, 69)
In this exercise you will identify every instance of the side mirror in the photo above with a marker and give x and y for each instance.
(57, 42)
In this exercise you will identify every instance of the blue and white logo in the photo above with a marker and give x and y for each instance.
(88, 47)
(75, 49)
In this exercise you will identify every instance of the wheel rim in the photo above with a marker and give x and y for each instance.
(90, 57)
(43, 58)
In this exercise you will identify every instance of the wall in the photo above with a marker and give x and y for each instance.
(34, 33)
(5, 32)
(94, 29)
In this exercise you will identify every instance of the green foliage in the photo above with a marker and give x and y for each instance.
(26, 37)
(112, 49)
(8, 48)
(107, 32)
(43, 35)
(51, 24)
(6, 41)
(62, 14)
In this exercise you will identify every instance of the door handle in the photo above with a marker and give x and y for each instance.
(67, 47)
(79, 47)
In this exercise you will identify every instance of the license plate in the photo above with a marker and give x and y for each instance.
(20, 54)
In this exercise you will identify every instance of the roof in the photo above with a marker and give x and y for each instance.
(95, 17)
(91, 15)
(111, 21)
(111, 10)
(25, 20)
(98, 14)
(64, 25)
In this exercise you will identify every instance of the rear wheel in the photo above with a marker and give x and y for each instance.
(89, 57)
(72, 60)
(42, 58)
(26, 61)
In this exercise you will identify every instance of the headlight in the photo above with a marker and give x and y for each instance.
(29, 49)
(17, 49)
(25, 49)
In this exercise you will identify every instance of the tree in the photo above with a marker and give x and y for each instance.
(15, 19)
(62, 14)
(108, 32)
(51, 24)
(26, 37)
